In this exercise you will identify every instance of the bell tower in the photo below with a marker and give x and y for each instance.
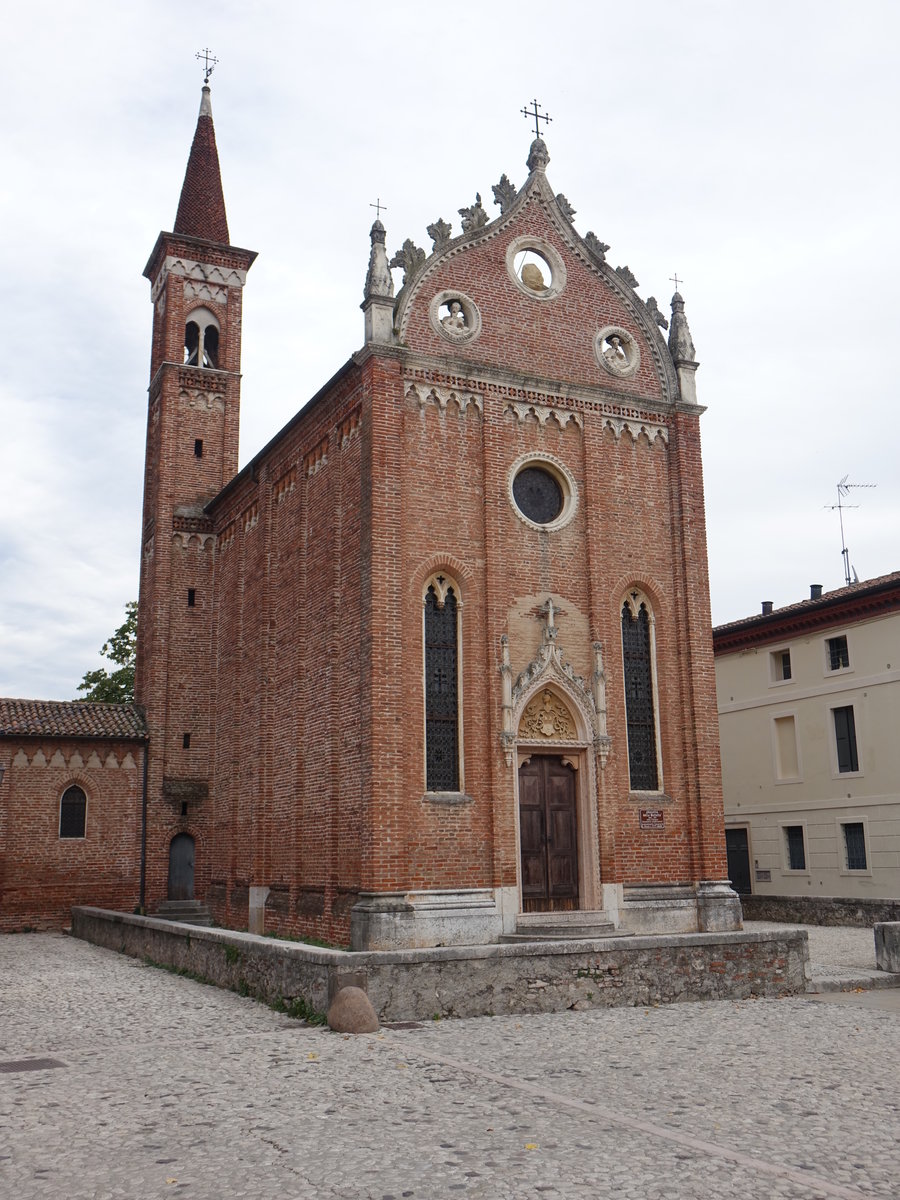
(196, 279)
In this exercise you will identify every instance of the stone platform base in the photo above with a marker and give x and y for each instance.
(469, 981)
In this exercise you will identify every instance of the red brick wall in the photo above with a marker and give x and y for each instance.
(42, 875)
(299, 674)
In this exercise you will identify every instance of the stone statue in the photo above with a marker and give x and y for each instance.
(614, 355)
(455, 321)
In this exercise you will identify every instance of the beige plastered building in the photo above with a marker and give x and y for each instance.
(809, 720)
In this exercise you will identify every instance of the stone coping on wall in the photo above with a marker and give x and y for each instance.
(467, 981)
(861, 911)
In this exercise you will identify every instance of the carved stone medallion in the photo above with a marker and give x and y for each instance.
(617, 351)
(455, 317)
(547, 717)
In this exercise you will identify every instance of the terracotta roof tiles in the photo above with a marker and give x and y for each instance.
(201, 209)
(70, 718)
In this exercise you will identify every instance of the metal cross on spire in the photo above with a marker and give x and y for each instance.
(209, 62)
(538, 117)
(674, 279)
(378, 206)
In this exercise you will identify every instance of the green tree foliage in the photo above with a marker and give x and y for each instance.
(115, 687)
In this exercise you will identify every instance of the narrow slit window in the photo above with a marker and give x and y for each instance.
(192, 597)
(186, 741)
(198, 447)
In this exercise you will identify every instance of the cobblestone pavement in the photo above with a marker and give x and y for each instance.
(164, 1087)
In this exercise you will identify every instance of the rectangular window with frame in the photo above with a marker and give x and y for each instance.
(837, 653)
(845, 738)
(795, 847)
(855, 846)
(780, 661)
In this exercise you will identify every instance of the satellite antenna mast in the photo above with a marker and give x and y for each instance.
(843, 489)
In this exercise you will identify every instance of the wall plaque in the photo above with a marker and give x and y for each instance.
(652, 818)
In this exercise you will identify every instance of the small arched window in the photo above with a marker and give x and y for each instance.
(442, 733)
(201, 340)
(72, 813)
(639, 656)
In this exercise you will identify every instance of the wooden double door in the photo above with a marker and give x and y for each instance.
(548, 833)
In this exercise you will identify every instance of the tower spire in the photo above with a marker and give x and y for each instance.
(201, 209)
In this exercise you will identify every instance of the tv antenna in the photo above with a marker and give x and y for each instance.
(843, 489)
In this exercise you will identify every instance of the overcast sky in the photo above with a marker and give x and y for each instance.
(752, 148)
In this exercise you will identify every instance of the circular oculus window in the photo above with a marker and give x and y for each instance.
(617, 351)
(535, 267)
(542, 492)
(454, 316)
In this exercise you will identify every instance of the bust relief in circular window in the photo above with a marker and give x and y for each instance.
(617, 351)
(454, 316)
(542, 491)
(535, 267)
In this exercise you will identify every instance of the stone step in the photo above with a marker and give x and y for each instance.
(563, 926)
(597, 916)
(189, 912)
(585, 934)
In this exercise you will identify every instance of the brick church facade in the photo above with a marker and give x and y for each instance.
(435, 667)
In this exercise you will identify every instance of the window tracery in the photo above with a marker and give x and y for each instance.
(441, 685)
(639, 662)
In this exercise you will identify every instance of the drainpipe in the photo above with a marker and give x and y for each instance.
(143, 893)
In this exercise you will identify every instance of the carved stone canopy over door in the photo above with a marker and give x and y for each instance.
(548, 830)
(181, 867)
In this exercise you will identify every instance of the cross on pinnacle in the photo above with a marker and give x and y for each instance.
(378, 206)
(674, 279)
(209, 62)
(538, 117)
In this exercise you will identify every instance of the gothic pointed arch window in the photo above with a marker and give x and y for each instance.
(641, 702)
(72, 812)
(201, 340)
(443, 757)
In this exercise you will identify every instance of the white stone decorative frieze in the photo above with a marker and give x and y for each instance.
(442, 397)
(204, 291)
(198, 272)
(544, 413)
(619, 424)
